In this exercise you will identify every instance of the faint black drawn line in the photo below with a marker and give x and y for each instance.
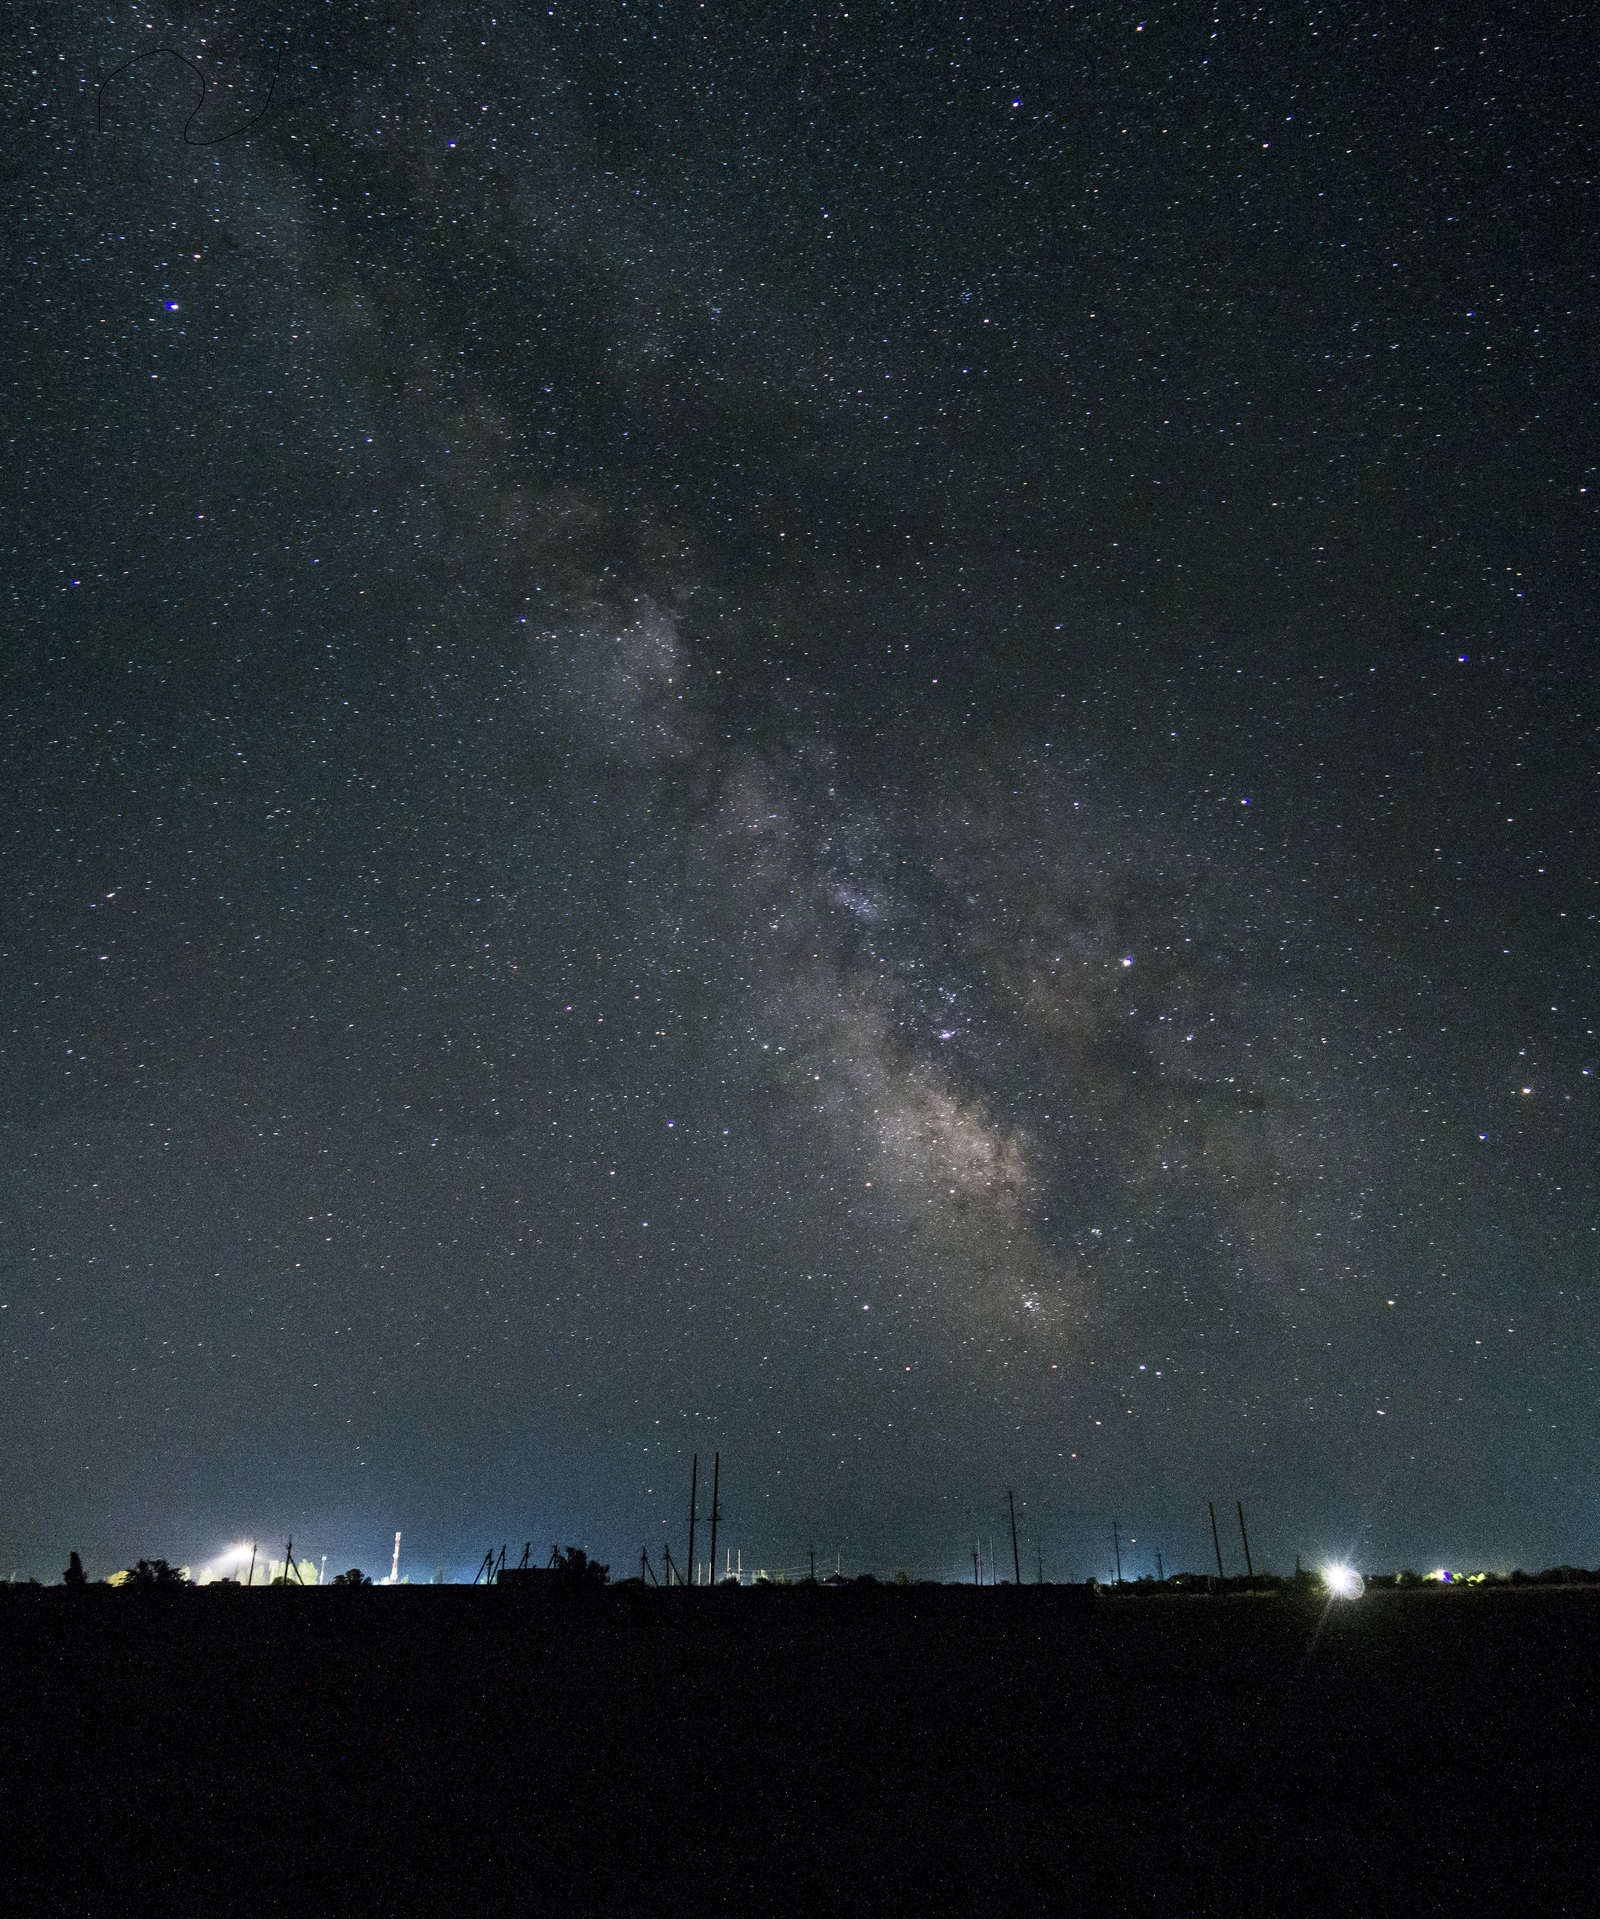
(189, 139)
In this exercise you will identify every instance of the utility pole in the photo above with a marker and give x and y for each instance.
(976, 1579)
(1216, 1544)
(1116, 1547)
(716, 1510)
(813, 1565)
(694, 1494)
(1016, 1562)
(251, 1578)
(1038, 1548)
(1161, 1577)
(1250, 1570)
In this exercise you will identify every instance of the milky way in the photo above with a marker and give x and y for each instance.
(872, 753)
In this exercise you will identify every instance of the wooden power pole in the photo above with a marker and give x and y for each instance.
(716, 1510)
(1016, 1561)
(694, 1494)
(1216, 1544)
(1250, 1570)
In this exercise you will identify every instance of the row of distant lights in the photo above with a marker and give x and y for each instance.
(1344, 1582)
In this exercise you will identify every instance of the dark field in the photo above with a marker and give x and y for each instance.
(865, 1750)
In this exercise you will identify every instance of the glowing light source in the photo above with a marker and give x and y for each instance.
(230, 1561)
(1343, 1582)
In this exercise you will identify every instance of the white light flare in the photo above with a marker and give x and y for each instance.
(230, 1560)
(1343, 1582)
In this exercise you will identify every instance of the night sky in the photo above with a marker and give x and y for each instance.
(860, 736)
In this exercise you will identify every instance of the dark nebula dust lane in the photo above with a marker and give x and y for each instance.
(865, 744)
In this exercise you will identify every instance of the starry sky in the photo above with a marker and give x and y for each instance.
(864, 736)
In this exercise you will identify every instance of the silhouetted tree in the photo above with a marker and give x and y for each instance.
(74, 1575)
(575, 1564)
(150, 1573)
(354, 1577)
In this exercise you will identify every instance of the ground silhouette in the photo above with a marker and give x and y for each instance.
(577, 1748)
